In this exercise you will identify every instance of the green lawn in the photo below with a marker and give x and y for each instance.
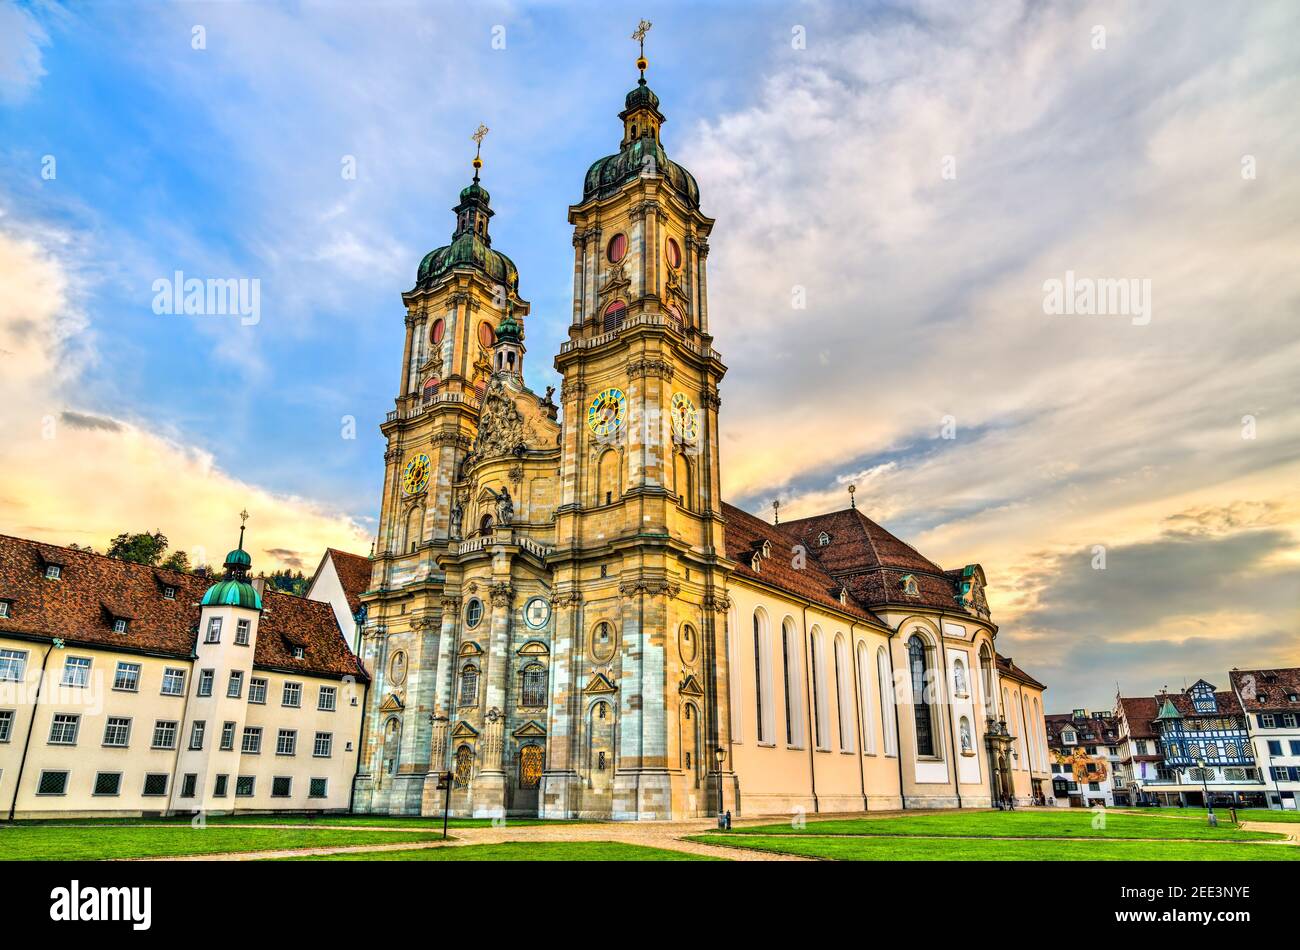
(523, 851)
(978, 849)
(1071, 824)
(1243, 814)
(52, 843)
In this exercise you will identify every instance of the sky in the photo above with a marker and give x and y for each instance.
(896, 187)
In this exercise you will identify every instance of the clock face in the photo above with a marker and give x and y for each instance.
(607, 411)
(416, 474)
(686, 418)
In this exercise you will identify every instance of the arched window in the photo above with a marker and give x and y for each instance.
(844, 698)
(607, 481)
(819, 689)
(469, 685)
(485, 525)
(986, 682)
(790, 669)
(614, 315)
(921, 713)
(1039, 733)
(1018, 745)
(682, 481)
(530, 766)
(960, 686)
(967, 739)
(533, 688)
(414, 526)
(430, 389)
(392, 745)
(762, 678)
(888, 723)
(735, 695)
(864, 700)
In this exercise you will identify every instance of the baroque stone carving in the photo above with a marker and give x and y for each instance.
(660, 368)
(502, 595)
(651, 587)
(501, 425)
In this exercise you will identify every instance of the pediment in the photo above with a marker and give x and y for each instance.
(392, 704)
(533, 648)
(529, 730)
(599, 683)
(470, 648)
(691, 686)
(463, 730)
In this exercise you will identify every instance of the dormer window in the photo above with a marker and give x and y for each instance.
(908, 584)
(756, 563)
(766, 549)
(298, 653)
(53, 572)
(823, 539)
(169, 593)
(844, 595)
(1068, 737)
(119, 624)
(4, 608)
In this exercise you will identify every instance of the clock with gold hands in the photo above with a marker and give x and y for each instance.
(415, 477)
(607, 411)
(686, 418)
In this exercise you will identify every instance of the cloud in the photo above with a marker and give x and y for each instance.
(925, 295)
(73, 475)
(21, 39)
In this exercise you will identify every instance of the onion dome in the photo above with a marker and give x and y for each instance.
(234, 590)
(641, 153)
(510, 330)
(471, 244)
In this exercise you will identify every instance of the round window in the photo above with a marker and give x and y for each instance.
(485, 334)
(473, 612)
(536, 612)
(617, 248)
(674, 252)
(436, 332)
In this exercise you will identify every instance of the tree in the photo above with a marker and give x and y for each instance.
(177, 561)
(141, 548)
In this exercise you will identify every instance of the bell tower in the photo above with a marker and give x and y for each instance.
(639, 566)
(465, 291)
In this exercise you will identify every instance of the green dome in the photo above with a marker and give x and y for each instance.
(232, 593)
(610, 173)
(510, 330)
(238, 558)
(468, 250)
(476, 191)
(641, 96)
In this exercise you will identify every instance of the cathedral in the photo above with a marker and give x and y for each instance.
(564, 618)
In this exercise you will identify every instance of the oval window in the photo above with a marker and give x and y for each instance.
(485, 334)
(617, 248)
(674, 252)
(436, 332)
(473, 612)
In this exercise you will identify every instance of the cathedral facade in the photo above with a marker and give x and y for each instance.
(565, 619)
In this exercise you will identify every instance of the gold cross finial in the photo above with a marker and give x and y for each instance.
(243, 517)
(852, 502)
(639, 35)
(479, 134)
(776, 511)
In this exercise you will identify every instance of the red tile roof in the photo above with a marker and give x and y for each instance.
(745, 535)
(1268, 690)
(1093, 726)
(875, 564)
(1140, 713)
(1007, 668)
(354, 575)
(80, 607)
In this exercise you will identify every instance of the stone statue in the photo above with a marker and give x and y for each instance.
(457, 520)
(505, 506)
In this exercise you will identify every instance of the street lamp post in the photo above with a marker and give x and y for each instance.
(720, 755)
(1205, 784)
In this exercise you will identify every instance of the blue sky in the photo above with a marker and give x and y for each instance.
(823, 165)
